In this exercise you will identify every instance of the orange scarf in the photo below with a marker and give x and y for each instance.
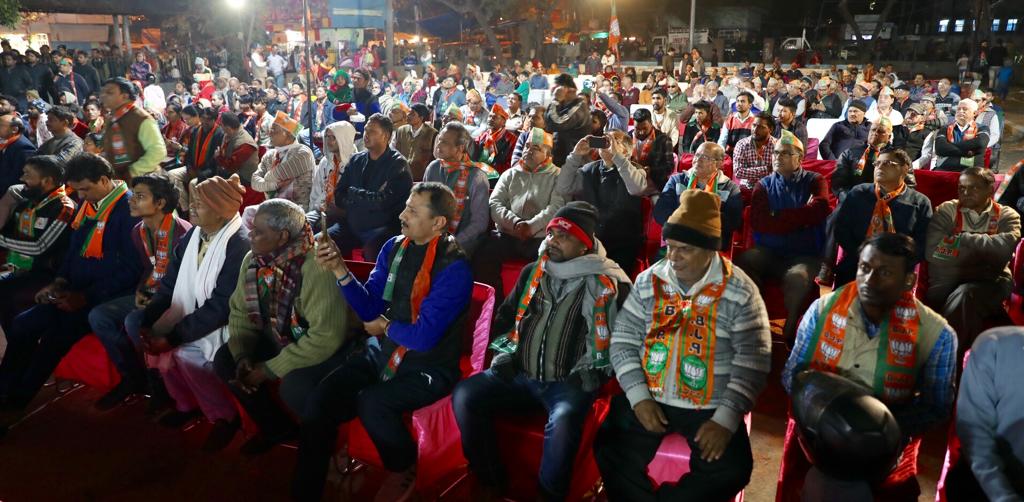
(881, 216)
(117, 144)
(4, 143)
(332, 183)
(199, 155)
(969, 133)
(863, 162)
(159, 257)
(93, 246)
(420, 289)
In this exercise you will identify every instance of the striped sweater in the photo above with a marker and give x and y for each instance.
(742, 354)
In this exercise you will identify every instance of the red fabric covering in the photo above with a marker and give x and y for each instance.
(509, 275)
(812, 149)
(825, 168)
(685, 162)
(672, 460)
(900, 486)
(938, 186)
(251, 198)
(87, 362)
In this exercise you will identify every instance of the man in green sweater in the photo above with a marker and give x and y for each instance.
(288, 323)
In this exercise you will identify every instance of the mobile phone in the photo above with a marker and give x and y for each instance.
(598, 142)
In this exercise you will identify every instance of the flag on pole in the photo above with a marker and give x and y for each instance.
(614, 35)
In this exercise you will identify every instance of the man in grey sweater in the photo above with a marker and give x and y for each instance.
(64, 144)
(698, 381)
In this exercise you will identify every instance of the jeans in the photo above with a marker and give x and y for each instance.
(38, 339)
(18, 292)
(118, 330)
(279, 80)
(484, 396)
(354, 389)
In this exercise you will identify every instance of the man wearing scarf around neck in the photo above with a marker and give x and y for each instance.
(886, 206)
(522, 203)
(411, 306)
(132, 142)
(970, 243)
(960, 145)
(101, 264)
(691, 349)
(495, 144)
(877, 334)
(707, 165)
(339, 147)
(288, 325)
(467, 180)
(552, 336)
(186, 320)
(15, 149)
(154, 200)
(36, 238)
(855, 165)
(699, 129)
(286, 170)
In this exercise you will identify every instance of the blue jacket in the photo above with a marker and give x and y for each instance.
(12, 162)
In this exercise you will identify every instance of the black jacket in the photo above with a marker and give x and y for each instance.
(568, 124)
(840, 137)
(373, 192)
(660, 162)
(955, 151)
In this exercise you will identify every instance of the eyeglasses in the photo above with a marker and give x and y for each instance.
(701, 156)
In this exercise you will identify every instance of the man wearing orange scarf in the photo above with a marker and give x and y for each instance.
(15, 149)
(494, 146)
(101, 264)
(888, 205)
(419, 287)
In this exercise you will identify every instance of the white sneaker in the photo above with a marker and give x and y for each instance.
(397, 487)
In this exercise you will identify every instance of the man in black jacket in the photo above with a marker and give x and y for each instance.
(567, 118)
(857, 164)
(652, 149)
(14, 80)
(42, 75)
(87, 71)
(372, 191)
(845, 133)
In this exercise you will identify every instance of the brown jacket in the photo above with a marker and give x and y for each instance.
(129, 123)
(418, 149)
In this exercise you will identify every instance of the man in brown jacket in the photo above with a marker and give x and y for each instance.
(237, 152)
(415, 141)
(131, 140)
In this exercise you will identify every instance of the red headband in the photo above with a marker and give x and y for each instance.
(570, 226)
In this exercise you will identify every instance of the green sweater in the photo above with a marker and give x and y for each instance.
(319, 303)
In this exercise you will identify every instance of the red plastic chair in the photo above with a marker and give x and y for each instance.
(672, 460)
(685, 162)
(938, 186)
(1015, 307)
(510, 271)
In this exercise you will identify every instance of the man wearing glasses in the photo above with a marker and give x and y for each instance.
(969, 245)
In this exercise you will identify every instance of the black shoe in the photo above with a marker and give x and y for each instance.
(159, 400)
(221, 434)
(117, 395)
(177, 419)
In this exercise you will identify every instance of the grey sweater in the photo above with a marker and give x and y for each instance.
(476, 218)
(742, 354)
(64, 147)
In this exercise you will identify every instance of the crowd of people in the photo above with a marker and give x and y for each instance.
(202, 232)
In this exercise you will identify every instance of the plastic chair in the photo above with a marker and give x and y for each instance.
(938, 186)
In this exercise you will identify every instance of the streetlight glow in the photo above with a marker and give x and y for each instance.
(235, 4)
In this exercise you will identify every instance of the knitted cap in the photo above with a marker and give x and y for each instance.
(285, 122)
(697, 220)
(859, 104)
(222, 196)
(499, 111)
(578, 218)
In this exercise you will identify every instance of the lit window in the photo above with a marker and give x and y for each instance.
(958, 26)
(995, 24)
(1011, 24)
(943, 25)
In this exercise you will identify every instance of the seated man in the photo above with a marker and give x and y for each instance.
(663, 118)
(752, 157)
(698, 383)
(552, 350)
(415, 140)
(788, 210)
(706, 174)
(495, 144)
(238, 152)
(699, 129)
(339, 148)
(989, 411)
(286, 170)
(887, 205)
(615, 185)
(846, 132)
(790, 121)
(857, 164)
(534, 118)
(36, 238)
(875, 333)
(186, 320)
(738, 125)
(652, 149)
(64, 143)
(15, 149)
(372, 191)
(410, 306)
(287, 324)
(522, 204)
(153, 199)
(101, 264)
(960, 145)
(969, 245)
(467, 180)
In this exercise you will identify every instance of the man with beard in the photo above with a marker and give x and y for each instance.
(445, 96)
(366, 103)
(567, 118)
(752, 159)
(552, 350)
(664, 118)
(494, 146)
(36, 237)
(699, 128)
(652, 149)
(738, 125)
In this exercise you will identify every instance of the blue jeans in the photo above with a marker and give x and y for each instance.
(478, 399)
(279, 80)
(116, 323)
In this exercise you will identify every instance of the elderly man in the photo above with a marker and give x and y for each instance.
(877, 334)
(286, 170)
(495, 144)
(652, 149)
(886, 206)
(857, 164)
(614, 184)
(960, 145)
(101, 264)
(846, 132)
(560, 362)
(287, 323)
(706, 175)
(567, 118)
(697, 382)
(522, 203)
(474, 113)
(969, 245)
(788, 210)
(467, 181)
(752, 158)
(15, 150)
(945, 99)
(410, 306)
(415, 140)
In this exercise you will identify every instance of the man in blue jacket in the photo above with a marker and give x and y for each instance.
(15, 149)
(101, 264)
(410, 306)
